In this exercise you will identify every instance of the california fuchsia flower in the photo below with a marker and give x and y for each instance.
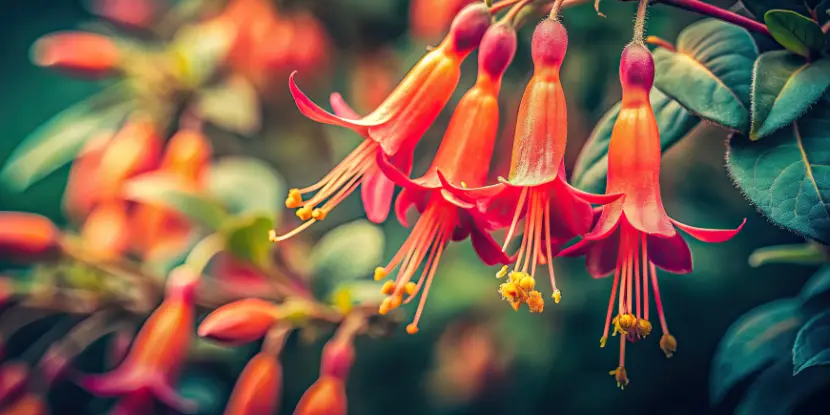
(241, 321)
(462, 160)
(394, 128)
(327, 396)
(78, 52)
(27, 237)
(537, 188)
(259, 388)
(158, 353)
(633, 235)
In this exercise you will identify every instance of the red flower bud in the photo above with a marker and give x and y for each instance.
(13, 379)
(106, 234)
(26, 237)
(240, 322)
(469, 26)
(430, 19)
(81, 53)
(259, 388)
(337, 359)
(498, 46)
(135, 149)
(188, 155)
(82, 192)
(637, 68)
(550, 42)
(327, 396)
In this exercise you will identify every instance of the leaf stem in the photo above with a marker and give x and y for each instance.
(706, 9)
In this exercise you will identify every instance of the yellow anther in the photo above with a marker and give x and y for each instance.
(509, 291)
(502, 272)
(463, 185)
(535, 302)
(643, 328)
(411, 329)
(384, 307)
(602, 341)
(272, 235)
(625, 322)
(294, 199)
(380, 273)
(388, 288)
(516, 276)
(621, 376)
(319, 213)
(527, 283)
(409, 288)
(304, 213)
(557, 296)
(515, 305)
(669, 344)
(395, 301)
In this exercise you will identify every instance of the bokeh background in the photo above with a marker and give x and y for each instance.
(473, 355)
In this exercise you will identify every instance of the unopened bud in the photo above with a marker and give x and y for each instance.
(637, 68)
(550, 42)
(259, 388)
(26, 237)
(80, 53)
(240, 322)
(327, 396)
(498, 46)
(469, 26)
(338, 357)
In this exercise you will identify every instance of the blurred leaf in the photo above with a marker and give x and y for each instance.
(161, 189)
(799, 34)
(817, 286)
(673, 121)
(812, 344)
(711, 72)
(760, 7)
(351, 293)
(199, 50)
(247, 238)
(232, 105)
(787, 175)
(784, 87)
(753, 342)
(204, 390)
(247, 185)
(59, 140)
(801, 254)
(778, 392)
(348, 252)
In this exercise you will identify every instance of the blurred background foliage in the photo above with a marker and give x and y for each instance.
(473, 355)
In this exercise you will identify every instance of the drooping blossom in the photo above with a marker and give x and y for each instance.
(327, 396)
(536, 188)
(393, 129)
(462, 160)
(241, 321)
(157, 355)
(259, 387)
(633, 236)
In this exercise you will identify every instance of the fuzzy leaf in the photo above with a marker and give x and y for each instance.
(797, 33)
(711, 72)
(812, 344)
(787, 175)
(778, 392)
(163, 190)
(673, 121)
(247, 238)
(753, 342)
(59, 140)
(784, 87)
(246, 185)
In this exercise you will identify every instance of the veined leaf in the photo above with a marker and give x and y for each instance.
(756, 340)
(817, 286)
(812, 344)
(711, 72)
(798, 33)
(784, 87)
(787, 175)
(166, 191)
(777, 391)
(673, 121)
(59, 140)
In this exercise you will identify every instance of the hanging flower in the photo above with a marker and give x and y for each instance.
(158, 353)
(394, 128)
(259, 388)
(633, 236)
(537, 188)
(27, 237)
(327, 396)
(241, 321)
(462, 160)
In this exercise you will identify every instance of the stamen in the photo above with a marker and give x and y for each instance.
(611, 302)
(657, 300)
(412, 328)
(531, 230)
(537, 231)
(516, 215)
(557, 296)
(645, 276)
(636, 255)
(272, 235)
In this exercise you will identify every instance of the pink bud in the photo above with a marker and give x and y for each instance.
(550, 42)
(469, 26)
(637, 68)
(498, 46)
(82, 53)
(240, 322)
(337, 359)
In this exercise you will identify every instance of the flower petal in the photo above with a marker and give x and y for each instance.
(601, 258)
(709, 235)
(397, 176)
(486, 247)
(670, 254)
(341, 107)
(578, 249)
(377, 189)
(314, 112)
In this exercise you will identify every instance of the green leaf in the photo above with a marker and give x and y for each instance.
(817, 286)
(232, 105)
(757, 339)
(778, 392)
(711, 72)
(166, 191)
(784, 87)
(247, 238)
(799, 34)
(59, 140)
(348, 252)
(759, 7)
(673, 121)
(812, 344)
(787, 175)
(198, 51)
(247, 185)
(802, 254)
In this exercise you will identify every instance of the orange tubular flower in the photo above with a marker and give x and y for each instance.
(327, 396)
(393, 129)
(259, 388)
(633, 235)
(158, 353)
(537, 188)
(81, 53)
(240, 322)
(463, 159)
(26, 237)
